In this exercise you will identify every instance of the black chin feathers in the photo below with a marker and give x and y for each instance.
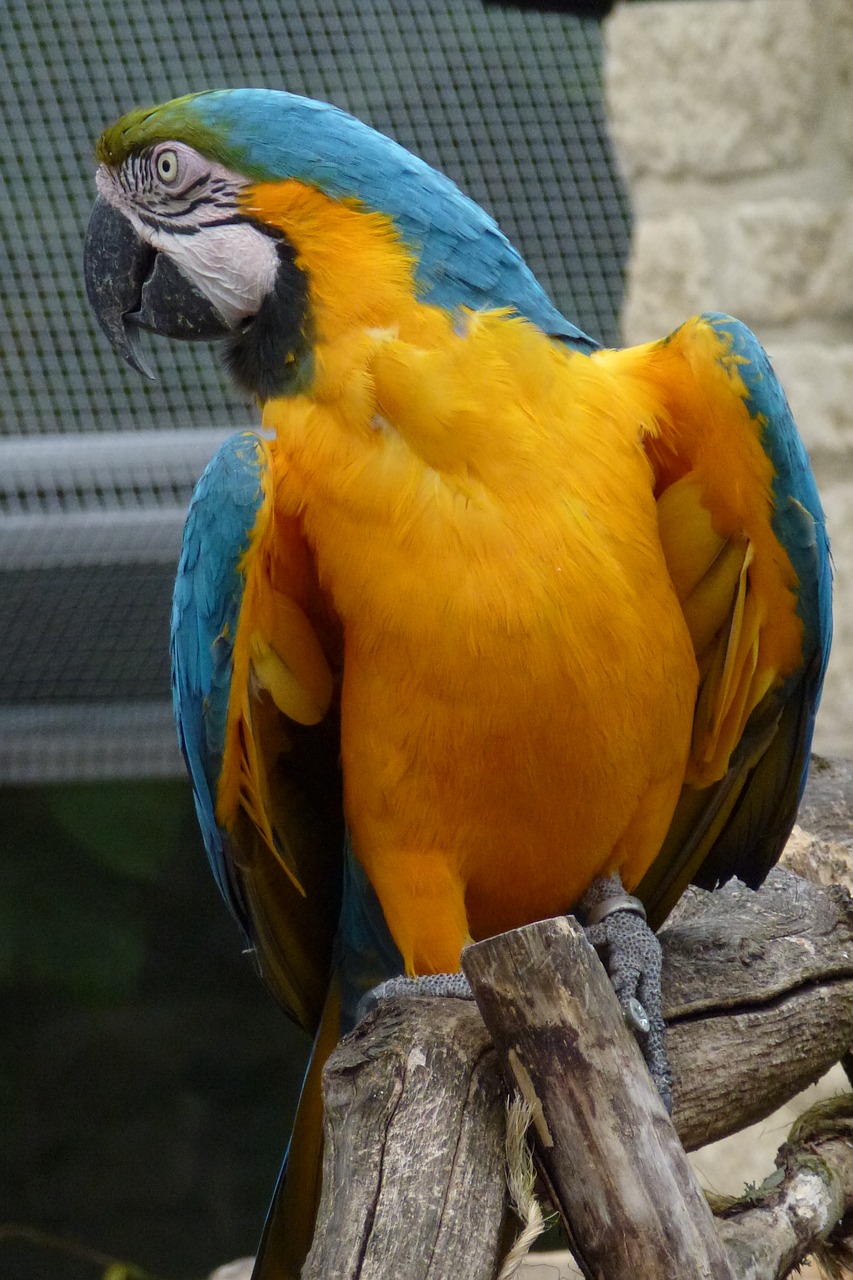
(271, 353)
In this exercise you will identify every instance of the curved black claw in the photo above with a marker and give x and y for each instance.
(454, 985)
(631, 953)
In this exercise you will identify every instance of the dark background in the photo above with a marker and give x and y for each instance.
(146, 1080)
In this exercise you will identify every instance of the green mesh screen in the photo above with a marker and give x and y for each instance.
(96, 465)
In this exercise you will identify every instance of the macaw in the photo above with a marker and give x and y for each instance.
(485, 615)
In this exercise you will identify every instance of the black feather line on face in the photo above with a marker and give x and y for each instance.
(271, 354)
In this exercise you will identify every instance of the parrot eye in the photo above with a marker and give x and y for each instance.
(166, 165)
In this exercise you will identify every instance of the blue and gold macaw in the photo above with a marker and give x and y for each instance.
(486, 615)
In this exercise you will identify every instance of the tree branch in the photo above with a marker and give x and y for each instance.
(414, 1179)
(758, 992)
(758, 999)
(624, 1187)
(798, 1207)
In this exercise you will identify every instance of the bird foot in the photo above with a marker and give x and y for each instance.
(453, 985)
(616, 927)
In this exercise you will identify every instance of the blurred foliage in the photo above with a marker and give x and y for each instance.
(74, 865)
(51, 1246)
(147, 1080)
(132, 830)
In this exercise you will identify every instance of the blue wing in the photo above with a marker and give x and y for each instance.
(318, 963)
(205, 616)
(739, 825)
(279, 860)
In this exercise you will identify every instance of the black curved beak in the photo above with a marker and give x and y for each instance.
(131, 286)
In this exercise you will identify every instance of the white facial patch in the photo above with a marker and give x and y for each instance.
(195, 223)
(234, 266)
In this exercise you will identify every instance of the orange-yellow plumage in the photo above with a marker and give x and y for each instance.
(703, 441)
(551, 623)
(343, 248)
(482, 514)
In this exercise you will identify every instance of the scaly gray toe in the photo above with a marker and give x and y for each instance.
(452, 985)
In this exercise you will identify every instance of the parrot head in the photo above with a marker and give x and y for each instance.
(180, 242)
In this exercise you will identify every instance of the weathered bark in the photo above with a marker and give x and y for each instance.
(826, 810)
(414, 1178)
(758, 990)
(799, 1206)
(783, 1221)
(610, 1154)
(758, 999)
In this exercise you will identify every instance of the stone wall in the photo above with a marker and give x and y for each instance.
(734, 123)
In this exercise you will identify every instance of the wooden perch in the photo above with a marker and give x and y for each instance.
(610, 1155)
(414, 1181)
(758, 993)
(811, 1192)
(758, 999)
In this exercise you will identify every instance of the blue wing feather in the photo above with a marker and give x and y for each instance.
(739, 825)
(291, 934)
(798, 520)
(794, 491)
(766, 809)
(205, 614)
